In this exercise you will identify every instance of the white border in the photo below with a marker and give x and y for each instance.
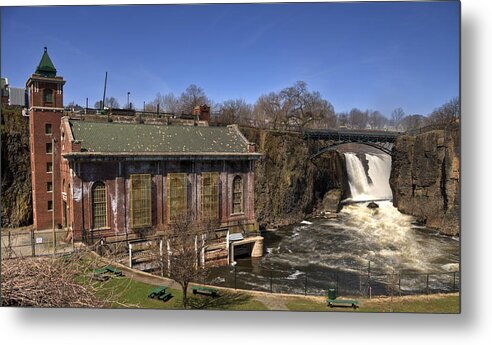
(62, 326)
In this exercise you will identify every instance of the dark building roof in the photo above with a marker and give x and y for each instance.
(116, 138)
(46, 67)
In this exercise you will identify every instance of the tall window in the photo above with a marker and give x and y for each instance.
(177, 196)
(48, 128)
(99, 205)
(48, 96)
(140, 200)
(49, 148)
(49, 167)
(237, 195)
(210, 195)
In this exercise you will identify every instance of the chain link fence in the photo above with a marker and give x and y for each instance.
(29, 242)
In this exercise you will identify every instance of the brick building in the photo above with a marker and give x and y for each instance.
(46, 110)
(95, 175)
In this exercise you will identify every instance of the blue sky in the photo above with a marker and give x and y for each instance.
(366, 55)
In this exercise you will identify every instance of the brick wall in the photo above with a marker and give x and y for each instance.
(41, 137)
(116, 177)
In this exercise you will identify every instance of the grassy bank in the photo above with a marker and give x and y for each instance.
(130, 293)
(441, 303)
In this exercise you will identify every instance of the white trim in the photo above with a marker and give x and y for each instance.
(45, 108)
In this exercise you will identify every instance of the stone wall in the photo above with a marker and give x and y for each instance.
(425, 178)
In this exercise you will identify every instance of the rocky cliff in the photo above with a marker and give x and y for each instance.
(16, 171)
(425, 178)
(288, 185)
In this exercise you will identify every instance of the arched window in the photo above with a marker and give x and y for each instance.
(237, 195)
(99, 205)
(48, 96)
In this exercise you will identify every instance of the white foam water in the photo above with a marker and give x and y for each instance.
(375, 187)
(383, 236)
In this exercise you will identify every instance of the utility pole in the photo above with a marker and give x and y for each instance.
(128, 100)
(104, 95)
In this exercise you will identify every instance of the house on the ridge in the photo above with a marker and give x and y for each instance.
(112, 177)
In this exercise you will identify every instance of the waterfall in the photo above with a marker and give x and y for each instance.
(373, 185)
(358, 235)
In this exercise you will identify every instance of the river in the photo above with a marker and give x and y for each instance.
(379, 249)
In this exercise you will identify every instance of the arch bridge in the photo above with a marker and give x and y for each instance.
(381, 140)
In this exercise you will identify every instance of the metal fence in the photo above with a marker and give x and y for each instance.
(345, 283)
(29, 242)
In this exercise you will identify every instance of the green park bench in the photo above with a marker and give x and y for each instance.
(332, 301)
(108, 269)
(115, 271)
(204, 291)
(160, 293)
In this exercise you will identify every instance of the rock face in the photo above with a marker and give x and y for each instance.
(425, 178)
(288, 185)
(331, 201)
(16, 169)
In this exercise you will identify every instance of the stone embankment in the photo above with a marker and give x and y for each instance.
(425, 178)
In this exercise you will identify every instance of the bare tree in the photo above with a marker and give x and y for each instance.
(397, 116)
(449, 112)
(358, 119)
(268, 110)
(111, 102)
(167, 103)
(185, 260)
(234, 111)
(56, 282)
(192, 97)
(295, 106)
(342, 119)
(413, 122)
(376, 120)
(306, 109)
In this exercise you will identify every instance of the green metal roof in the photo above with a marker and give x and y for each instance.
(104, 137)
(46, 67)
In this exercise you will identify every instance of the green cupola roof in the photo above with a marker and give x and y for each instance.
(46, 67)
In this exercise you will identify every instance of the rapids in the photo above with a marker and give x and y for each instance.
(382, 241)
